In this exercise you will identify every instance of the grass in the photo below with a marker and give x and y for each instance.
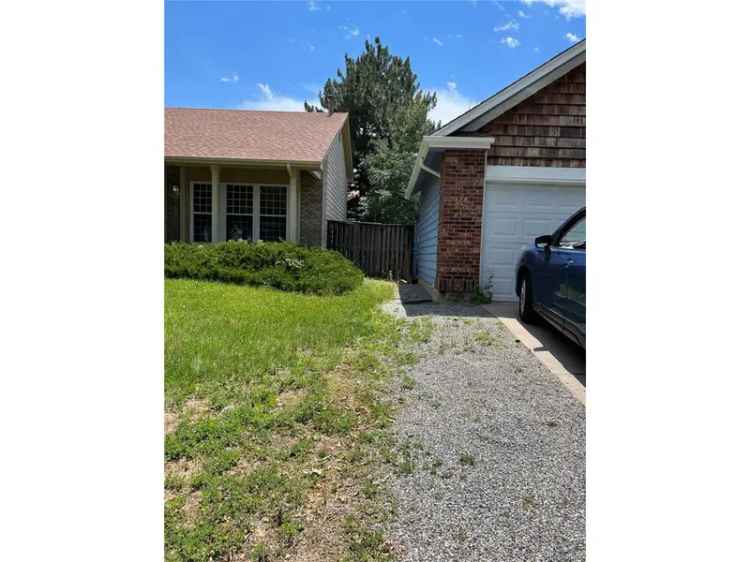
(466, 460)
(274, 402)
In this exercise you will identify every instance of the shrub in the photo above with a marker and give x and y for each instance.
(282, 265)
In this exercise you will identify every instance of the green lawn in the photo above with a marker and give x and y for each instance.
(271, 400)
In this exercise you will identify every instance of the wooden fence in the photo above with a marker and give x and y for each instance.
(380, 250)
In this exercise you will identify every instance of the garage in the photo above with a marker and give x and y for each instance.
(508, 170)
(515, 214)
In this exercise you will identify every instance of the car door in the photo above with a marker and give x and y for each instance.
(548, 284)
(571, 298)
(576, 295)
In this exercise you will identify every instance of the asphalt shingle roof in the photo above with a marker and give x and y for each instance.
(249, 135)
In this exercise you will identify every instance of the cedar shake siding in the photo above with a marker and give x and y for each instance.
(460, 222)
(548, 129)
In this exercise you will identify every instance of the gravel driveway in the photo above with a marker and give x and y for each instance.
(494, 450)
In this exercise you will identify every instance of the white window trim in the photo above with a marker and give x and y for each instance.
(256, 205)
(257, 214)
(223, 190)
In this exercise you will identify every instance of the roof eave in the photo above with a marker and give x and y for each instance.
(315, 164)
(433, 143)
(516, 92)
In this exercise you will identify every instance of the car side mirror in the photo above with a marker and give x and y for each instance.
(545, 241)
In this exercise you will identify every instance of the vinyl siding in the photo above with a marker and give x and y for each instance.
(335, 181)
(426, 233)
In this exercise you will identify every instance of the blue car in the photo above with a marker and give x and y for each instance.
(551, 279)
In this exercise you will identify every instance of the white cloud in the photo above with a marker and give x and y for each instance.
(511, 42)
(437, 41)
(572, 37)
(450, 103)
(272, 102)
(568, 8)
(232, 78)
(522, 14)
(313, 6)
(512, 24)
(350, 31)
(266, 91)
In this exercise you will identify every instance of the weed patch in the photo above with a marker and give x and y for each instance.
(278, 421)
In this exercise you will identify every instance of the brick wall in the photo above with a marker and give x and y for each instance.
(547, 129)
(460, 226)
(310, 210)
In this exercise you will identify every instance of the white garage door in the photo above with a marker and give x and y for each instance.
(514, 215)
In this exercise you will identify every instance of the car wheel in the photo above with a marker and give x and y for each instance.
(525, 301)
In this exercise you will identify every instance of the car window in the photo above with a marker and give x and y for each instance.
(575, 236)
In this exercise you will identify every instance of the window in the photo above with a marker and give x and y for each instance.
(201, 212)
(575, 236)
(239, 212)
(272, 212)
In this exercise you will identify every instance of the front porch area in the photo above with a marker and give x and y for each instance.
(214, 202)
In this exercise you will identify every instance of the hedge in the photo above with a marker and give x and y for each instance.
(282, 265)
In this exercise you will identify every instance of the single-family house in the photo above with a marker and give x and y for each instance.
(254, 175)
(509, 169)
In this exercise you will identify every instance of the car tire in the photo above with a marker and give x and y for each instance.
(525, 301)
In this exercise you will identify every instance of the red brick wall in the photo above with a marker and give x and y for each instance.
(547, 129)
(460, 226)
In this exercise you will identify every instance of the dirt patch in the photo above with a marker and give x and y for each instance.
(183, 468)
(290, 398)
(192, 506)
(170, 422)
(327, 504)
(195, 408)
(191, 410)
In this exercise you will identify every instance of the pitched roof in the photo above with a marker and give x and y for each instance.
(513, 94)
(267, 136)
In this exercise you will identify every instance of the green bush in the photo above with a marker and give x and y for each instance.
(282, 265)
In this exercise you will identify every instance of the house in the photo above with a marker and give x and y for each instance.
(254, 175)
(509, 169)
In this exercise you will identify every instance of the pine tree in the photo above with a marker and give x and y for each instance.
(378, 90)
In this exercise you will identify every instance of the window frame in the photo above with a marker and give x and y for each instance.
(223, 188)
(565, 228)
(193, 213)
(256, 216)
(260, 215)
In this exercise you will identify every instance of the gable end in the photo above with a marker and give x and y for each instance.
(548, 129)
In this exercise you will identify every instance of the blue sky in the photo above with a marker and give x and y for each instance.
(274, 55)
